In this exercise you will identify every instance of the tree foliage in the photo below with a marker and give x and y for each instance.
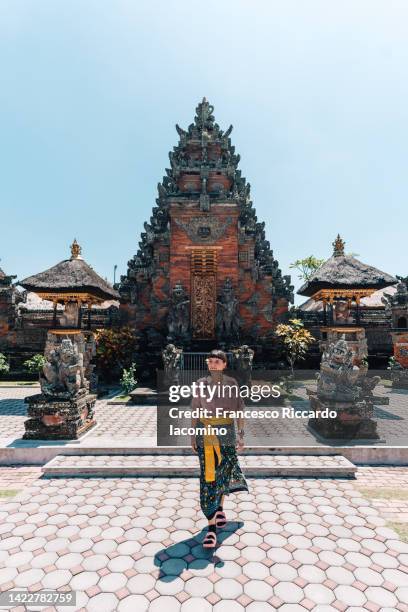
(307, 266)
(4, 365)
(35, 364)
(295, 340)
(116, 349)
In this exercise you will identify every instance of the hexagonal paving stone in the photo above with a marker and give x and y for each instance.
(95, 562)
(169, 585)
(108, 602)
(84, 580)
(319, 594)
(112, 582)
(227, 588)
(198, 586)
(56, 579)
(255, 570)
(131, 603)
(196, 604)
(289, 592)
(381, 597)
(350, 596)
(258, 589)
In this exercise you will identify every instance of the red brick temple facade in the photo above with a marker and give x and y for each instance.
(204, 273)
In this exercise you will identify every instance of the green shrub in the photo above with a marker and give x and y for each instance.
(35, 364)
(116, 349)
(128, 381)
(4, 365)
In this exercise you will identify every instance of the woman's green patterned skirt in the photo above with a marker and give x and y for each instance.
(228, 475)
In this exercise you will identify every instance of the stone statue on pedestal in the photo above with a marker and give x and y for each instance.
(346, 391)
(63, 374)
(227, 319)
(338, 375)
(65, 408)
(172, 362)
(243, 357)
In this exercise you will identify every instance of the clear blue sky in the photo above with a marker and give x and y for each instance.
(90, 91)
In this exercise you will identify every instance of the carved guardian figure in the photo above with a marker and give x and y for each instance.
(178, 320)
(64, 372)
(227, 320)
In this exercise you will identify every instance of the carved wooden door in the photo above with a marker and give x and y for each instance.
(203, 292)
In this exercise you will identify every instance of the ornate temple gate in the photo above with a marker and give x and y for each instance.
(204, 270)
(203, 291)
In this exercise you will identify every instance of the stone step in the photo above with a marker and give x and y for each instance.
(302, 466)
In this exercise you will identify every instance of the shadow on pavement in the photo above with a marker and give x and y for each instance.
(190, 554)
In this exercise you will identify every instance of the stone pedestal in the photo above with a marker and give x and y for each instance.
(354, 419)
(58, 418)
(65, 407)
(344, 388)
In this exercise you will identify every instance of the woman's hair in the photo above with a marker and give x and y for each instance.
(219, 355)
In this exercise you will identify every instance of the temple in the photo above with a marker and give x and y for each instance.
(204, 273)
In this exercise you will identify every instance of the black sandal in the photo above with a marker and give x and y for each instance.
(210, 540)
(220, 519)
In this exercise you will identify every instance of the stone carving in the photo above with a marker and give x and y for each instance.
(178, 320)
(204, 117)
(65, 408)
(338, 375)
(346, 390)
(227, 320)
(204, 229)
(64, 373)
(171, 356)
(399, 373)
(203, 307)
(243, 358)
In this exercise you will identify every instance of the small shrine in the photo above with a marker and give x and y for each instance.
(396, 305)
(204, 274)
(65, 407)
(340, 283)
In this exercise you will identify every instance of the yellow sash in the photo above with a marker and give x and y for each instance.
(211, 446)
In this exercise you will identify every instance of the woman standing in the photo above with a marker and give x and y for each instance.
(220, 473)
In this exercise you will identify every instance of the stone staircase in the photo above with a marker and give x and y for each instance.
(186, 465)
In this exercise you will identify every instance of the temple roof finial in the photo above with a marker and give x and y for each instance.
(75, 250)
(204, 117)
(338, 245)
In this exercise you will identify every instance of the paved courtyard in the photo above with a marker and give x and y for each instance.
(126, 422)
(134, 544)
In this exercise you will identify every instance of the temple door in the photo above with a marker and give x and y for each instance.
(203, 292)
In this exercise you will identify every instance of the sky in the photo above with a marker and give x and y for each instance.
(90, 92)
